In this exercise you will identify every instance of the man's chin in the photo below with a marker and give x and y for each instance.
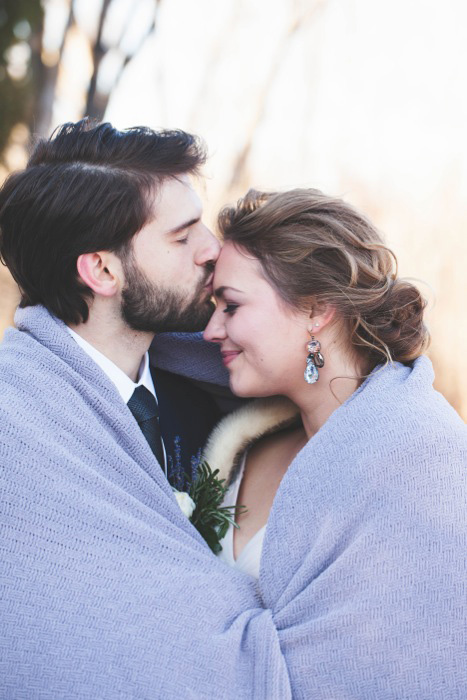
(192, 320)
(200, 322)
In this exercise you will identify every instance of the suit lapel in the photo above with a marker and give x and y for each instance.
(187, 416)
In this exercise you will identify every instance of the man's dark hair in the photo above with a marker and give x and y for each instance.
(87, 188)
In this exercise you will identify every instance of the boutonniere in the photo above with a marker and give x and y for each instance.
(202, 504)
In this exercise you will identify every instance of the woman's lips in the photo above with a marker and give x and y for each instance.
(229, 355)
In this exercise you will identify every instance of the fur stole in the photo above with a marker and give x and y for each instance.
(239, 430)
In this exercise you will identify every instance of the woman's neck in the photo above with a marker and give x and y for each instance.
(338, 380)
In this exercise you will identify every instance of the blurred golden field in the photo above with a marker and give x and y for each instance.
(360, 99)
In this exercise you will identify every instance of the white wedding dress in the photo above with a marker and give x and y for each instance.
(249, 558)
(227, 448)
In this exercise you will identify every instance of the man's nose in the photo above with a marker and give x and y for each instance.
(209, 248)
(215, 330)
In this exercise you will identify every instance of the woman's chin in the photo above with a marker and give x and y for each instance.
(240, 388)
(246, 390)
(239, 392)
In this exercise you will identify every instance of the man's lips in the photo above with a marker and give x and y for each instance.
(229, 355)
(208, 285)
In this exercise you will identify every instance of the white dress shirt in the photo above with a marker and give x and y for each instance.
(122, 381)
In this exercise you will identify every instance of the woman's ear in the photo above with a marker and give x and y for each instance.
(320, 317)
(97, 270)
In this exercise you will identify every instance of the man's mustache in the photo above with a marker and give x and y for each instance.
(209, 269)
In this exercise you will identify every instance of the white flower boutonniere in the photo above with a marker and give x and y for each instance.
(186, 503)
(202, 504)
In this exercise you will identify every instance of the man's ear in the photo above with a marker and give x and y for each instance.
(98, 272)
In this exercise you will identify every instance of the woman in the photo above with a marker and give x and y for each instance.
(355, 481)
(306, 291)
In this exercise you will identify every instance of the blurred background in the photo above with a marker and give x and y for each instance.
(363, 99)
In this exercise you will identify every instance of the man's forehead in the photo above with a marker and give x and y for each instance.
(176, 201)
(178, 185)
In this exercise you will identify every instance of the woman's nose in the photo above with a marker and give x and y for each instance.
(215, 330)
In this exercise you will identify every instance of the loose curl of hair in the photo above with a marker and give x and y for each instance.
(315, 250)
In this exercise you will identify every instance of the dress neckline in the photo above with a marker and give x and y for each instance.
(249, 558)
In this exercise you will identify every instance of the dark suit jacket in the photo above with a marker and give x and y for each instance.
(187, 416)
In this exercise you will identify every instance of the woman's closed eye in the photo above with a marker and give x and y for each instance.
(230, 308)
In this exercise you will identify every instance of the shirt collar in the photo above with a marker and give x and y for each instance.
(122, 381)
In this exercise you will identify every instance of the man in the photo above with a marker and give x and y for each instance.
(107, 590)
(112, 243)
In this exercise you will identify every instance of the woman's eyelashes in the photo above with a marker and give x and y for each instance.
(230, 308)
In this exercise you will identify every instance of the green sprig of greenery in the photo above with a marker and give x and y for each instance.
(209, 517)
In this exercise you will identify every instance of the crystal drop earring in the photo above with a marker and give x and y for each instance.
(314, 360)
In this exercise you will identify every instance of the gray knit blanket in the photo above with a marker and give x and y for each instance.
(106, 591)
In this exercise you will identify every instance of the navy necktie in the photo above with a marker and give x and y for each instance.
(144, 408)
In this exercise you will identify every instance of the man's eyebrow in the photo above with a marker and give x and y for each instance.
(219, 292)
(182, 227)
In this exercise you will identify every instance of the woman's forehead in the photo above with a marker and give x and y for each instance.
(235, 263)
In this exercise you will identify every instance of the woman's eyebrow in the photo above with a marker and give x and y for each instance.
(219, 292)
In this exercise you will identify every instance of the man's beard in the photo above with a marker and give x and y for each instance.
(155, 309)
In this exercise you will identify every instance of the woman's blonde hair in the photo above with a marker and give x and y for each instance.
(316, 249)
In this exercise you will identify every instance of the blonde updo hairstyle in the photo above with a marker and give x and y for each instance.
(316, 250)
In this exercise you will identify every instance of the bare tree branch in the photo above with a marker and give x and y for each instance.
(129, 57)
(97, 101)
(98, 52)
(46, 79)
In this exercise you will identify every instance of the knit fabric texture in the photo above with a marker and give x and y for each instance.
(364, 561)
(106, 590)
